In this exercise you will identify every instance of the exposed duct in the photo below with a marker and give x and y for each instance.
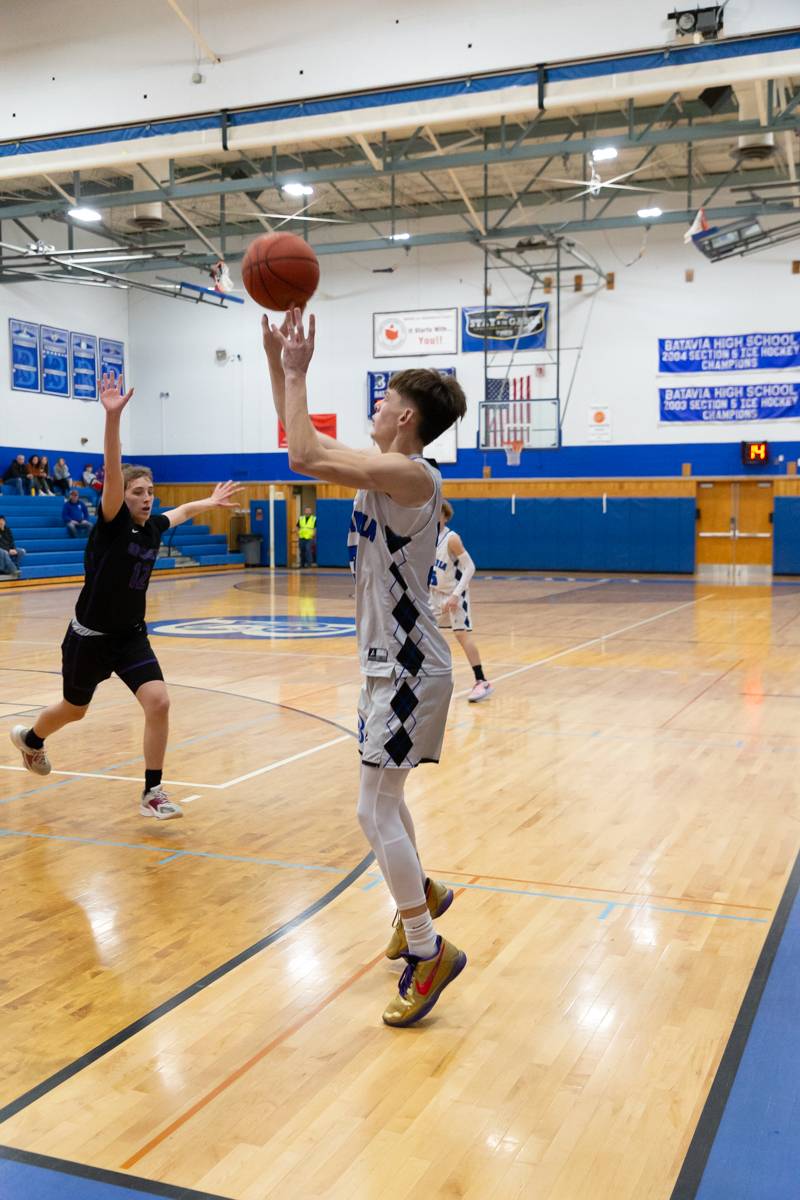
(753, 147)
(149, 216)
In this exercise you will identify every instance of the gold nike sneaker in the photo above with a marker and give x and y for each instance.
(438, 897)
(423, 982)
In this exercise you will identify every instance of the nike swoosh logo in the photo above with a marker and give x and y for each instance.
(424, 988)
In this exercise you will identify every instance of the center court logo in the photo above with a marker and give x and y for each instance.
(268, 627)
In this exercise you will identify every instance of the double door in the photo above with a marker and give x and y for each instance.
(734, 531)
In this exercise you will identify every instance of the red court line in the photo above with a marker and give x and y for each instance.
(702, 692)
(204, 1101)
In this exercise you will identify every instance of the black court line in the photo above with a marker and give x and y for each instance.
(694, 1164)
(99, 1175)
(124, 1035)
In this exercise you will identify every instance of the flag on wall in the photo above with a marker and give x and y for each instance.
(698, 225)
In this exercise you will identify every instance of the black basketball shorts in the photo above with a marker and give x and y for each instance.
(87, 661)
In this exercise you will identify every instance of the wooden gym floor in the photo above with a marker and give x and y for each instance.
(198, 1002)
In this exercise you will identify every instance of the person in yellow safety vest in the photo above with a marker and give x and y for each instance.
(307, 530)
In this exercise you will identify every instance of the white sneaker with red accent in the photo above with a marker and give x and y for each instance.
(34, 760)
(156, 803)
(481, 691)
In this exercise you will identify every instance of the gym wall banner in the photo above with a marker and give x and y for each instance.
(513, 327)
(54, 346)
(729, 352)
(83, 365)
(378, 382)
(729, 403)
(415, 333)
(24, 343)
(112, 358)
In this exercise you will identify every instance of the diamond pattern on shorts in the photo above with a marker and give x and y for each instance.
(405, 612)
(404, 702)
(398, 746)
(410, 657)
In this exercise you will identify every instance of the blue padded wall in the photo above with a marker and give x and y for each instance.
(786, 536)
(259, 523)
(559, 535)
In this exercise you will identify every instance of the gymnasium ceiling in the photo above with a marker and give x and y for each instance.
(452, 178)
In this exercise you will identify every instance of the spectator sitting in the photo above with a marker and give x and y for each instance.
(61, 477)
(99, 478)
(15, 473)
(88, 475)
(36, 477)
(11, 555)
(44, 463)
(75, 515)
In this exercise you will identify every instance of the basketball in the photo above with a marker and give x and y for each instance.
(280, 270)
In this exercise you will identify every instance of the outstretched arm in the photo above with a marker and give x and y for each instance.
(405, 480)
(221, 497)
(273, 348)
(113, 400)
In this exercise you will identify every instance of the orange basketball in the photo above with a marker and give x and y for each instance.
(280, 270)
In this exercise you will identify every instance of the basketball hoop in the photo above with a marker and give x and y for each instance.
(513, 451)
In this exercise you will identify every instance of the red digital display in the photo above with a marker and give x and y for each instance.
(755, 454)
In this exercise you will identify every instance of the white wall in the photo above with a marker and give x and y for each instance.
(611, 341)
(29, 419)
(81, 64)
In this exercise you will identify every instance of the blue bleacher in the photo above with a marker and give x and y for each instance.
(51, 553)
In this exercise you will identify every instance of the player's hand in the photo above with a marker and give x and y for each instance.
(450, 604)
(112, 397)
(273, 347)
(298, 347)
(222, 496)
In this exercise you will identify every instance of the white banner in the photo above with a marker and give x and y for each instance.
(414, 333)
(599, 423)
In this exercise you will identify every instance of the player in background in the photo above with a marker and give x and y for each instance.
(450, 578)
(108, 634)
(404, 658)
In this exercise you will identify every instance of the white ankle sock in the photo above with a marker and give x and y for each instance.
(421, 935)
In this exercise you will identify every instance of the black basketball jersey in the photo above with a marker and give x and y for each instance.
(118, 563)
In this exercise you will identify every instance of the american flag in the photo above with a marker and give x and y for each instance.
(511, 387)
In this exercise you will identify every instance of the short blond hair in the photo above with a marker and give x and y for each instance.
(131, 471)
(447, 509)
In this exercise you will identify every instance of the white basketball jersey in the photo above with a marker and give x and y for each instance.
(391, 552)
(445, 574)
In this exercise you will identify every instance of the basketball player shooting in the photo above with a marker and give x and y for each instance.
(404, 657)
(108, 634)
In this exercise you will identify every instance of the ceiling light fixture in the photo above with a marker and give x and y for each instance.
(649, 213)
(399, 237)
(85, 214)
(297, 189)
(604, 153)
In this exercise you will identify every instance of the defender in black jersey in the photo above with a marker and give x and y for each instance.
(108, 634)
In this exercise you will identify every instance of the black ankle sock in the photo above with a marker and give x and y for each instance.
(151, 779)
(32, 741)
(479, 675)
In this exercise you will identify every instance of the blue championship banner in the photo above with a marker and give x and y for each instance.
(24, 339)
(727, 403)
(83, 365)
(729, 352)
(54, 344)
(112, 358)
(513, 327)
(378, 382)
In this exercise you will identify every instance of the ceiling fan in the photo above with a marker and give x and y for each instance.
(594, 185)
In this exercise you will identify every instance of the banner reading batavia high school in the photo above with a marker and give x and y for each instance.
(729, 352)
(731, 402)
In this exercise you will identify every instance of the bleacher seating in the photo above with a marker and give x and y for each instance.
(52, 553)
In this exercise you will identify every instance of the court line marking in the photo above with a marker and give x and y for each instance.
(702, 692)
(373, 881)
(65, 1166)
(246, 1066)
(540, 662)
(694, 1164)
(123, 1035)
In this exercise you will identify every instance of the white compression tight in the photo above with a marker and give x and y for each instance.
(386, 821)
